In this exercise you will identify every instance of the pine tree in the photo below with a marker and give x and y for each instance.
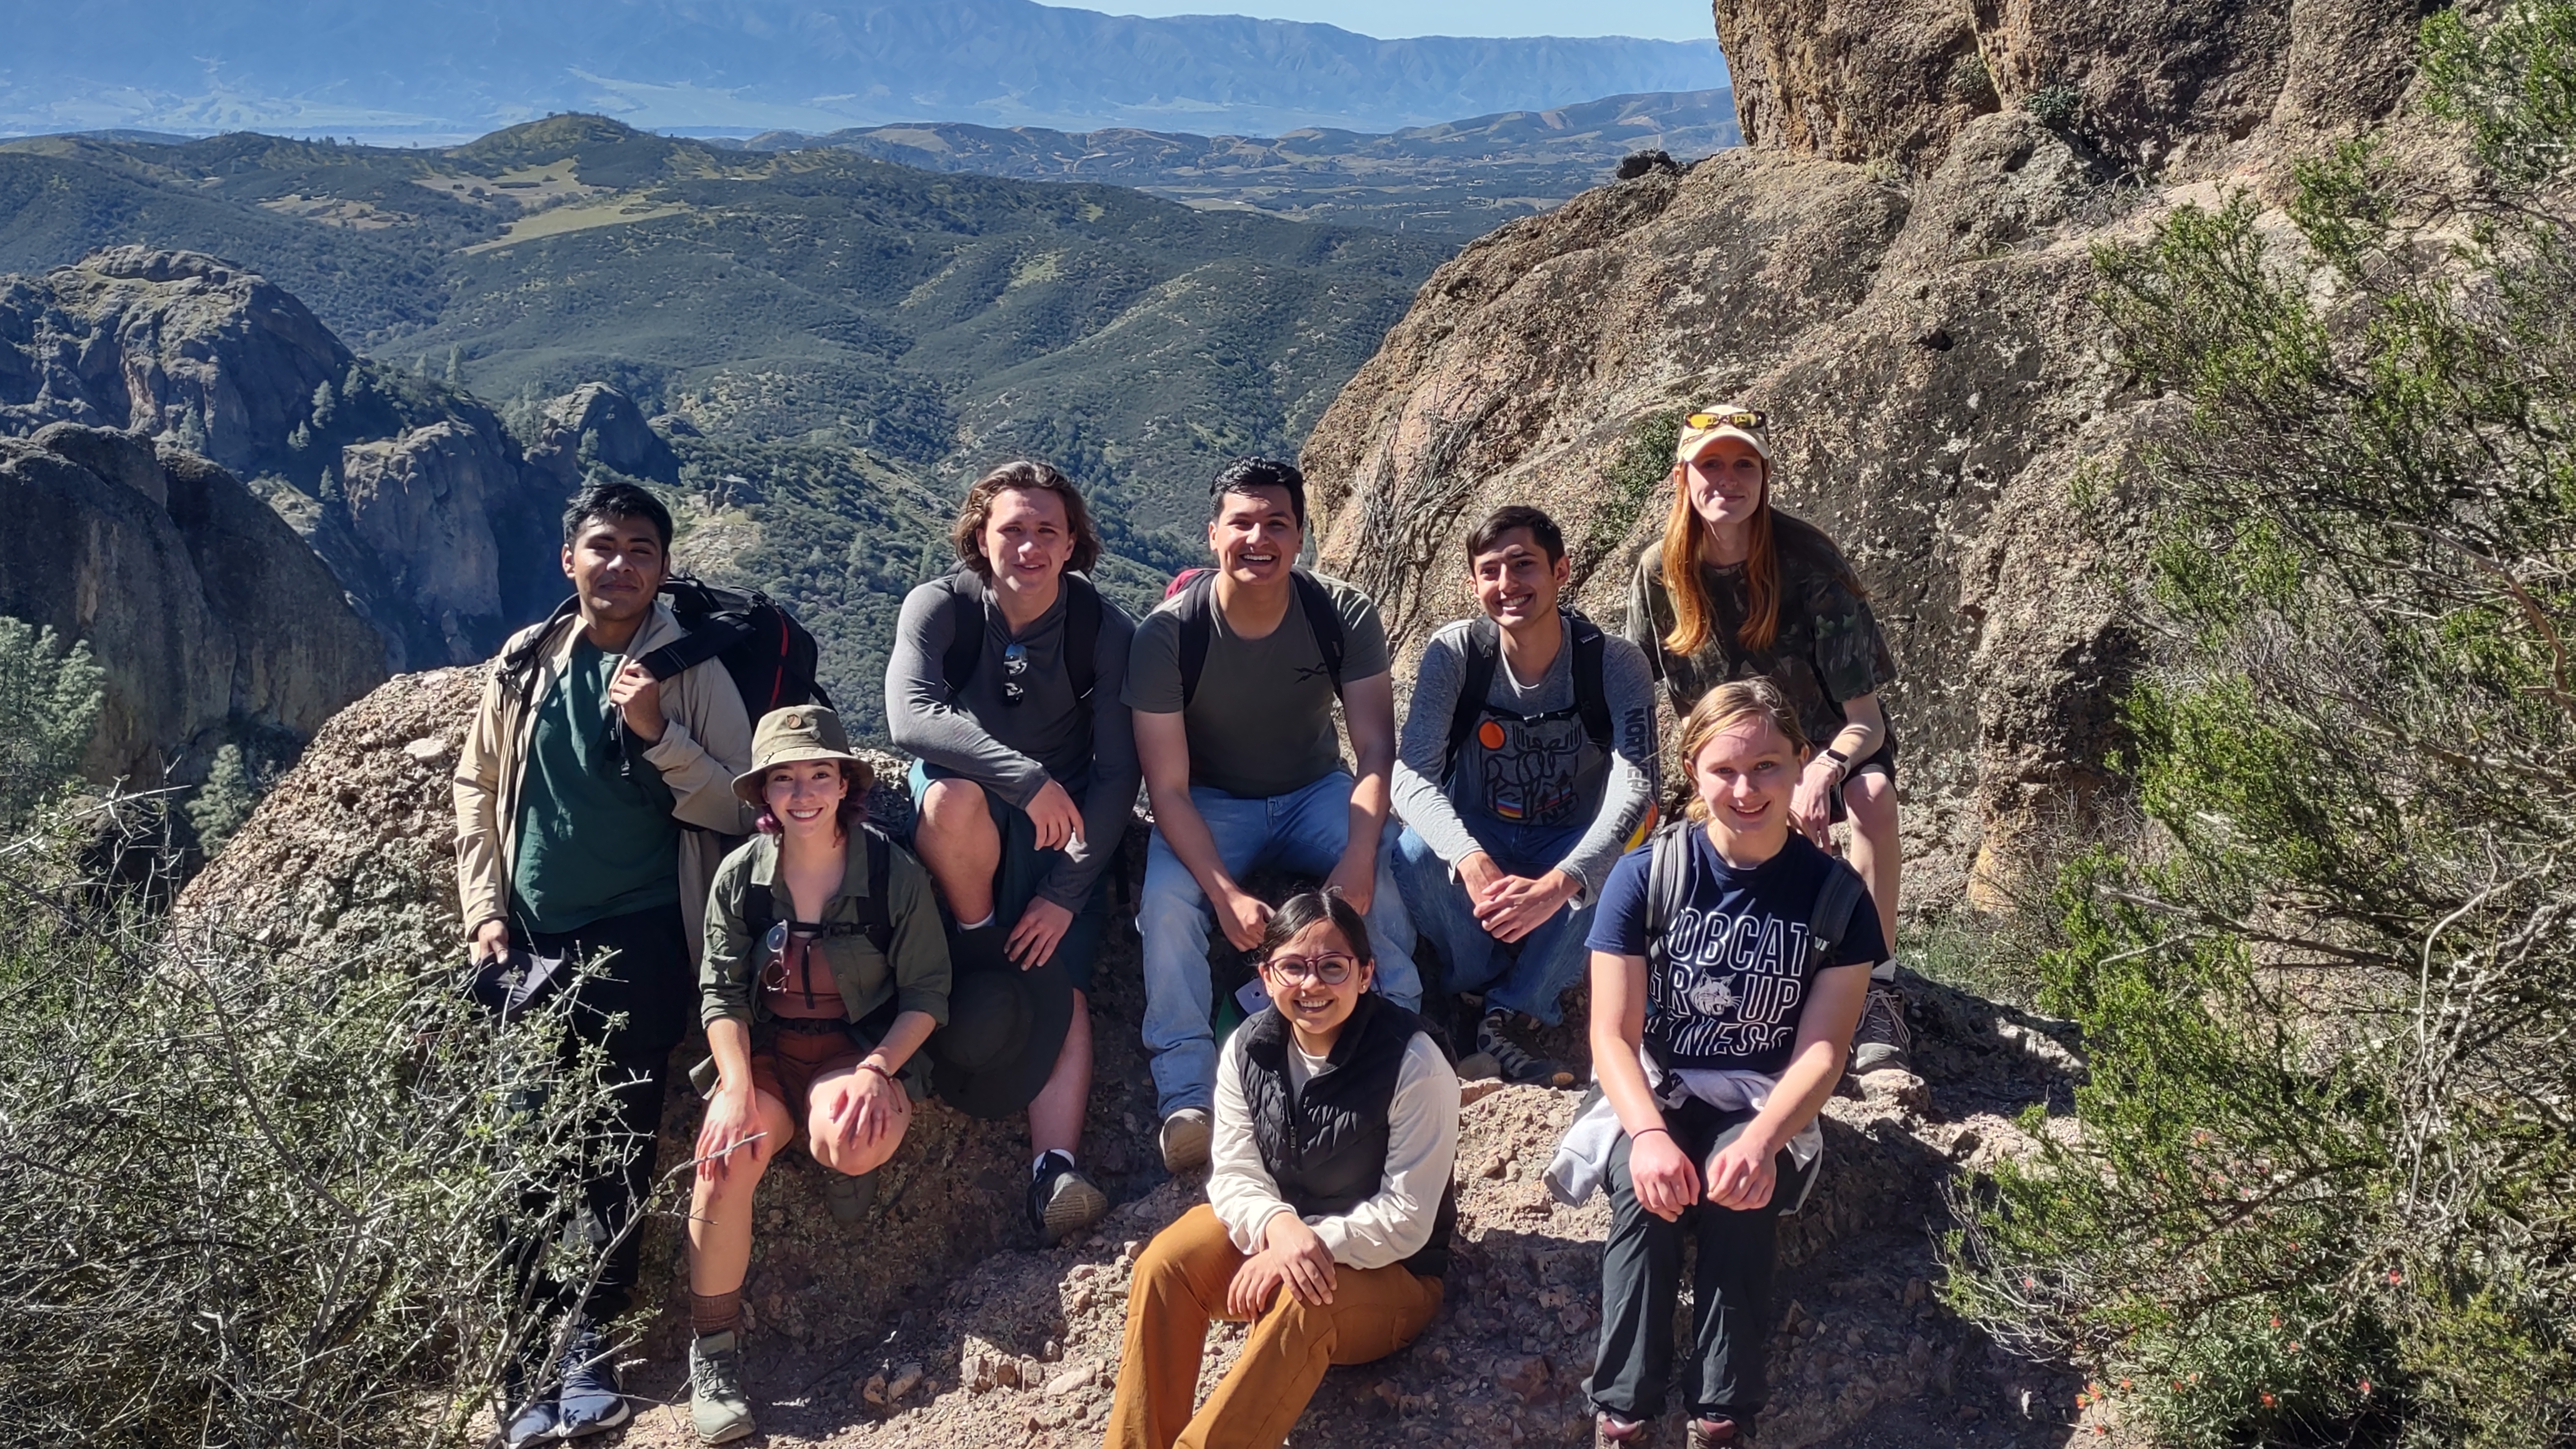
(50, 698)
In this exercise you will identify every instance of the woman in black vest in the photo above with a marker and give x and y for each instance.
(1329, 1202)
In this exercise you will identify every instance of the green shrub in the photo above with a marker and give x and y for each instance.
(1644, 461)
(2321, 1186)
(252, 1200)
(50, 699)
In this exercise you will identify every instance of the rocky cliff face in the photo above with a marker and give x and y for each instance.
(1897, 270)
(206, 610)
(441, 533)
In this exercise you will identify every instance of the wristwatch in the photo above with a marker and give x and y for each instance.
(1842, 763)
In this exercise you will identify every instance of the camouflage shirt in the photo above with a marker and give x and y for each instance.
(1829, 647)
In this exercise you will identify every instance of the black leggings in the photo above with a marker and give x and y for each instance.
(1641, 1271)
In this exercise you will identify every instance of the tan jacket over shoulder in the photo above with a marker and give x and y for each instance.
(705, 743)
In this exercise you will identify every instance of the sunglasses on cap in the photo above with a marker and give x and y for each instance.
(1740, 418)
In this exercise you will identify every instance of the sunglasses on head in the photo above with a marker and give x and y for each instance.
(1739, 418)
(1332, 968)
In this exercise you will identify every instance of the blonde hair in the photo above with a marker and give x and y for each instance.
(1694, 617)
(1721, 709)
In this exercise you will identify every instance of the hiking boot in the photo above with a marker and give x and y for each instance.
(1514, 1062)
(1880, 1042)
(591, 1400)
(1062, 1200)
(528, 1416)
(1186, 1134)
(1609, 1431)
(1719, 1432)
(848, 1197)
(718, 1407)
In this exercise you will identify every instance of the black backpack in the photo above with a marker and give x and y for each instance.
(1195, 588)
(770, 656)
(1081, 634)
(1484, 656)
(876, 922)
(1842, 891)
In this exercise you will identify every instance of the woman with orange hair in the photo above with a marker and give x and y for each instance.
(1741, 590)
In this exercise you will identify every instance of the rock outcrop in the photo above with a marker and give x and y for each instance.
(445, 545)
(597, 422)
(1925, 346)
(206, 612)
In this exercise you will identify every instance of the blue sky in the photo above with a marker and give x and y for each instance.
(1654, 19)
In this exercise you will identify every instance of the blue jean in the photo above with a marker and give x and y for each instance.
(1302, 831)
(1534, 972)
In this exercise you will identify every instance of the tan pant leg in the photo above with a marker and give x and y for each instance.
(1179, 1285)
(1374, 1312)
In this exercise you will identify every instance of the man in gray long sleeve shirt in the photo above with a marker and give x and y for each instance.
(1515, 810)
(1004, 683)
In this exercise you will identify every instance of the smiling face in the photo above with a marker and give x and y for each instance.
(806, 797)
(1724, 483)
(1255, 535)
(1028, 538)
(1314, 1007)
(616, 565)
(1744, 777)
(1515, 581)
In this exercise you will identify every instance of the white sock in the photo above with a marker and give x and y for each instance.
(1037, 1164)
(978, 925)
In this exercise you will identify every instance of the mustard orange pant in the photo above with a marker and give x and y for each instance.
(1180, 1286)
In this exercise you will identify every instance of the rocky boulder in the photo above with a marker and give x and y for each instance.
(1927, 350)
(167, 344)
(205, 610)
(598, 423)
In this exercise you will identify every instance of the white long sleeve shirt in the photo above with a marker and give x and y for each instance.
(1421, 1151)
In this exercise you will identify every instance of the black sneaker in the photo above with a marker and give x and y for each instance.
(1881, 1041)
(1515, 1062)
(1062, 1201)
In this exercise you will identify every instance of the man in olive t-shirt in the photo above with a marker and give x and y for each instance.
(1244, 770)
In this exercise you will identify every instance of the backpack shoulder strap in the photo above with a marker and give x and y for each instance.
(1484, 646)
(1591, 699)
(876, 915)
(759, 913)
(1664, 870)
(1081, 637)
(1324, 619)
(1196, 631)
(966, 642)
(1840, 895)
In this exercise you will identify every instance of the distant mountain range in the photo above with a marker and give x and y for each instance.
(1461, 177)
(456, 68)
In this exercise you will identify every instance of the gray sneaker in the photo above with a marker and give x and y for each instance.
(718, 1407)
(1880, 1044)
(1497, 1040)
(1186, 1136)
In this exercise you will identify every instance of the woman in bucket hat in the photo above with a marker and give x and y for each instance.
(826, 968)
(1738, 589)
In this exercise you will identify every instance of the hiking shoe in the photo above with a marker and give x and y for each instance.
(848, 1197)
(1186, 1134)
(591, 1400)
(527, 1416)
(1513, 1061)
(1609, 1431)
(1880, 1042)
(1719, 1432)
(718, 1406)
(1062, 1200)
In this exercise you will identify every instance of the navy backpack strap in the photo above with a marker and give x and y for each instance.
(1081, 637)
(1324, 619)
(1591, 699)
(966, 641)
(1484, 648)
(1197, 629)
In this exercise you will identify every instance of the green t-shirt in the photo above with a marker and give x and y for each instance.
(596, 838)
(1261, 721)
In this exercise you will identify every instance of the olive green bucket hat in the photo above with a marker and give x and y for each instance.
(793, 735)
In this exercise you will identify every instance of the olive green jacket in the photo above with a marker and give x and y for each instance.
(916, 979)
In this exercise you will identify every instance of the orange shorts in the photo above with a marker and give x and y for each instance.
(793, 1060)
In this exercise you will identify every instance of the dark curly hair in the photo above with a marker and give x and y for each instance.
(1245, 474)
(1029, 477)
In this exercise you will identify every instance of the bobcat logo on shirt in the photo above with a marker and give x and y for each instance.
(1731, 983)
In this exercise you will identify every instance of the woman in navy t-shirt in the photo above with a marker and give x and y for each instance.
(1745, 1023)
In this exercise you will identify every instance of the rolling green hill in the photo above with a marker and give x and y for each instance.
(937, 321)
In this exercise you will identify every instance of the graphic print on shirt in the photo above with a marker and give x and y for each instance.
(1532, 769)
(1731, 983)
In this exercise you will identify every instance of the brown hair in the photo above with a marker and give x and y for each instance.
(1722, 707)
(857, 779)
(1030, 477)
(1694, 617)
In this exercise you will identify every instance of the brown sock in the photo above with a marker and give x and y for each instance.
(715, 1312)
